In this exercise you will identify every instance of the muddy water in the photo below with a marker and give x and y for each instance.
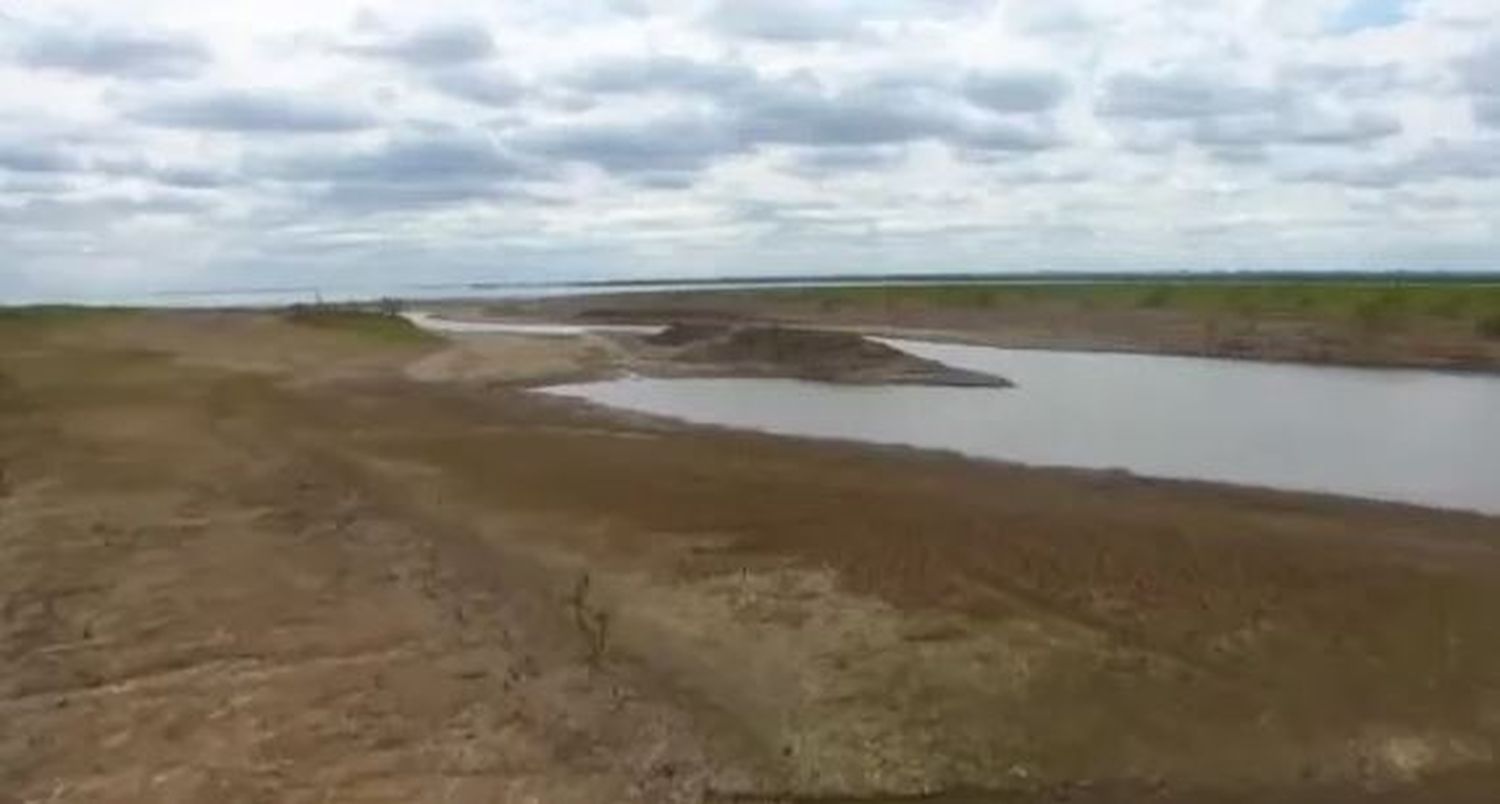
(1410, 436)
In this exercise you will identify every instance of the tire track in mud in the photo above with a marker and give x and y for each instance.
(612, 717)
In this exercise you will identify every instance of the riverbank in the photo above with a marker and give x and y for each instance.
(780, 352)
(1449, 326)
(253, 556)
(682, 351)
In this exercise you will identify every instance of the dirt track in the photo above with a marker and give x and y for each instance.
(249, 561)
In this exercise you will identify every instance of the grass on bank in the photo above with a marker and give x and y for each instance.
(384, 324)
(57, 314)
(381, 323)
(1368, 305)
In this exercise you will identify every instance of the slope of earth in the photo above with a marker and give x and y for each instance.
(683, 350)
(250, 557)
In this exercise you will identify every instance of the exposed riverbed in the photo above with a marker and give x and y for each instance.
(348, 527)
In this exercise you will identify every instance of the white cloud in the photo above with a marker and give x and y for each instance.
(367, 142)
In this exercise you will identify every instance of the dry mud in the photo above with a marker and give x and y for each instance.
(250, 561)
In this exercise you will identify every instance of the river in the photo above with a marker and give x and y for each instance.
(1421, 437)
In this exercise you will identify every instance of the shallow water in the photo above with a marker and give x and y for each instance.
(1422, 437)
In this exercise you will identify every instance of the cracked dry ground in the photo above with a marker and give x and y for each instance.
(247, 561)
(199, 606)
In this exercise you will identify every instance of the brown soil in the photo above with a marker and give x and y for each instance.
(768, 351)
(244, 560)
(681, 333)
(516, 360)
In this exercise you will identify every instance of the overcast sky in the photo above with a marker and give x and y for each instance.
(158, 144)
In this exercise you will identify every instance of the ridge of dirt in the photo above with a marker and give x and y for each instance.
(777, 351)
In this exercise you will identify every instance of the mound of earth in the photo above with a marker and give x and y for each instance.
(651, 315)
(771, 351)
(686, 332)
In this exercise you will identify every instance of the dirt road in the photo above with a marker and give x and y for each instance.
(246, 559)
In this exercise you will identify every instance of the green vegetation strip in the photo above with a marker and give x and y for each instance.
(58, 314)
(1368, 304)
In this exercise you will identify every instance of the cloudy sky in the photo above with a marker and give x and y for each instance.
(164, 144)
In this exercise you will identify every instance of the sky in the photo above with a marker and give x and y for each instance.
(150, 145)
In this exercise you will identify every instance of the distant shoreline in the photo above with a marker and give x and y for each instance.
(1449, 326)
(505, 290)
(904, 278)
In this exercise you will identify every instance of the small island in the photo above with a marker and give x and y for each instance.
(719, 350)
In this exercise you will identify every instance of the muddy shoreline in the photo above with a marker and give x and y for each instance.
(1366, 337)
(248, 558)
(636, 357)
(1284, 499)
(680, 350)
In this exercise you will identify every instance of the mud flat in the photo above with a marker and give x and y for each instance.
(694, 350)
(248, 557)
